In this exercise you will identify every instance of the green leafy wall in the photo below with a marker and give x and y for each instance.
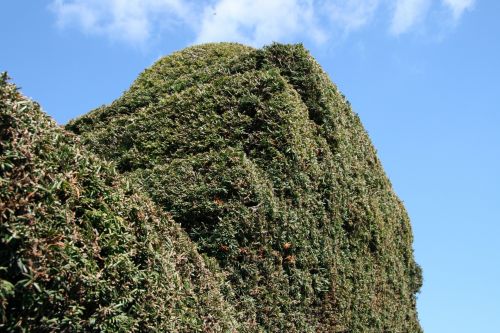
(264, 164)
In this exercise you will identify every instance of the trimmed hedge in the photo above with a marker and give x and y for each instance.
(262, 161)
(82, 250)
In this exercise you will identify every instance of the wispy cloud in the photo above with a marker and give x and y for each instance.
(458, 7)
(259, 21)
(407, 14)
(254, 22)
(411, 13)
(350, 14)
(133, 21)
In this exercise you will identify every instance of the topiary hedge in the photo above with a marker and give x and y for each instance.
(264, 164)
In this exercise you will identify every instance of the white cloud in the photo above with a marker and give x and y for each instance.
(130, 20)
(254, 22)
(407, 14)
(459, 6)
(257, 22)
(351, 14)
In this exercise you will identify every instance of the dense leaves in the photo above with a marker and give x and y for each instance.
(264, 164)
(81, 250)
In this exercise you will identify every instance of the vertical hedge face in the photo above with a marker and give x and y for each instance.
(81, 250)
(263, 162)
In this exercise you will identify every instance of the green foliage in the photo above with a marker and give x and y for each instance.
(82, 250)
(262, 161)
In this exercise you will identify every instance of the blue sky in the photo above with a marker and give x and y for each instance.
(424, 76)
